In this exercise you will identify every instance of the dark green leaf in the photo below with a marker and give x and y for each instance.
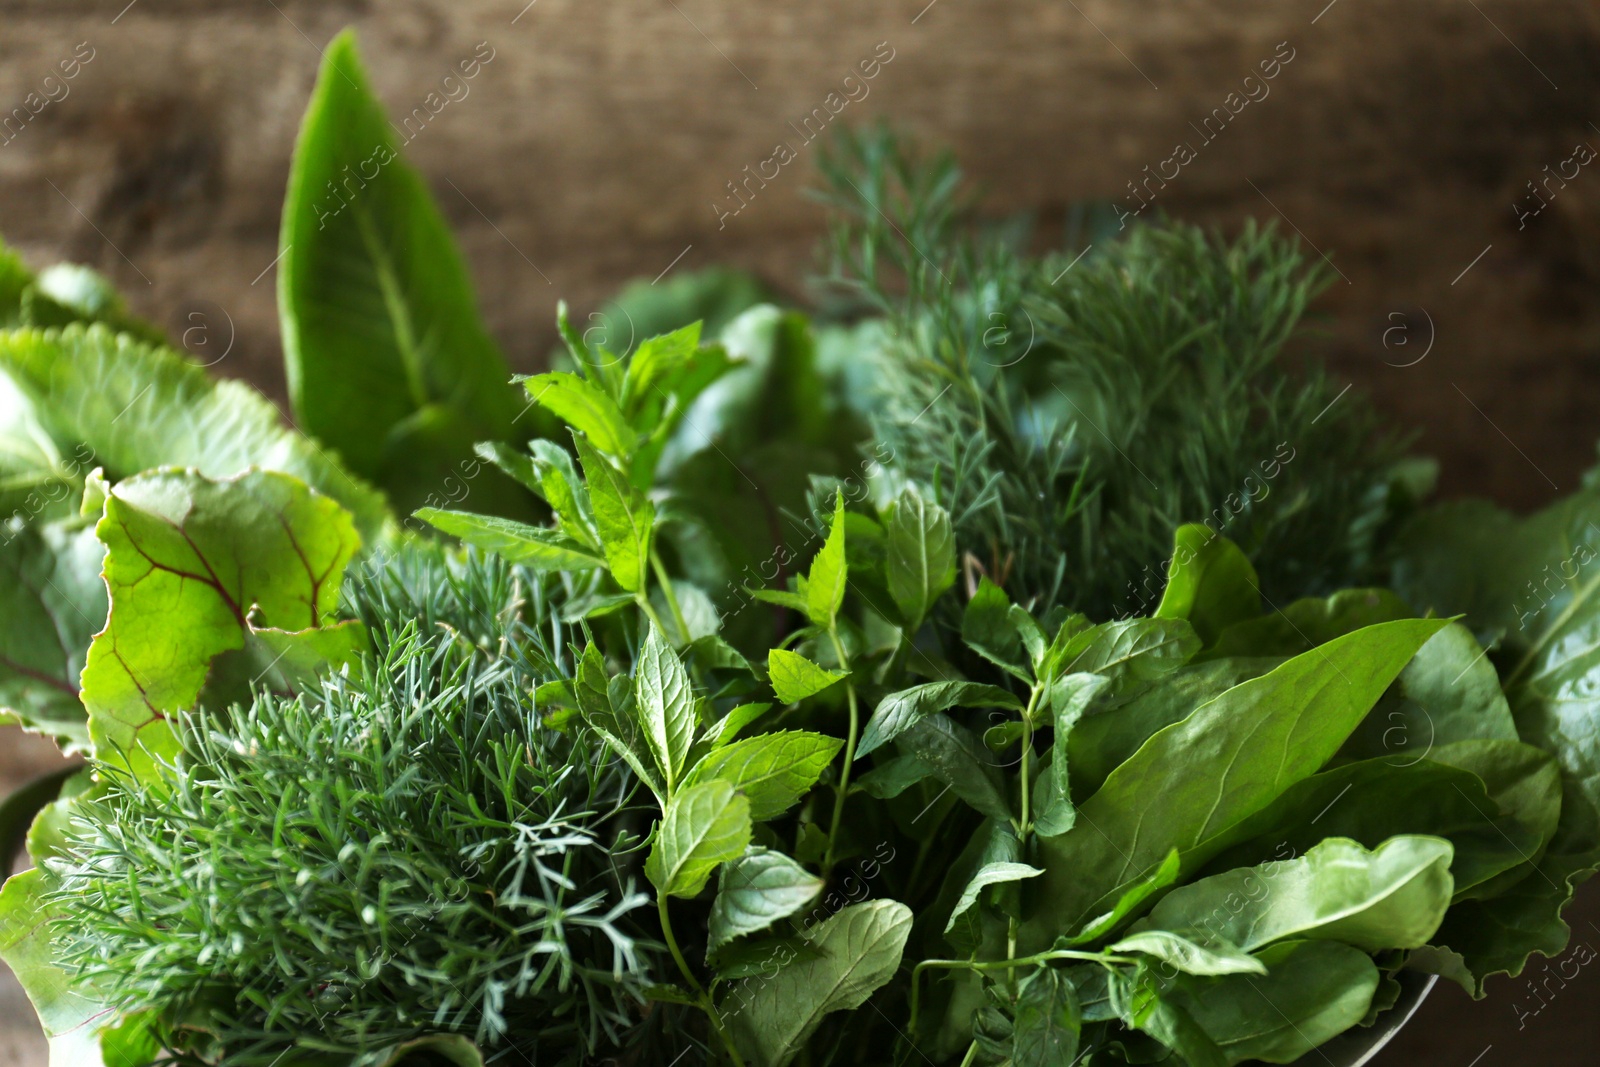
(755, 891)
(1045, 1027)
(960, 761)
(922, 555)
(898, 712)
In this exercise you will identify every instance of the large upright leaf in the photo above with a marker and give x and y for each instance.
(1210, 583)
(623, 515)
(52, 602)
(856, 951)
(127, 406)
(829, 574)
(387, 359)
(1229, 759)
(197, 569)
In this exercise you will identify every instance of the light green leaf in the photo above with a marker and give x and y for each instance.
(516, 542)
(1305, 624)
(773, 770)
(898, 712)
(53, 602)
(1131, 900)
(825, 583)
(1213, 958)
(665, 705)
(585, 408)
(755, 891)
(1393, 896)
(794, 678)
(989, 874)
(387, 359)
(27, 931)
(704, 825)
(859, 951)
(1210, 583)
(1260, 737)
(1128, 653)
(452, 1048)
(622, 514)
(1070, 698)
(922, 555)
(737, 719)
(619, 728)
(111, 401)
(196, 569)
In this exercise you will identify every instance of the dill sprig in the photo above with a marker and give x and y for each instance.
(1073, 409)
(406, 850)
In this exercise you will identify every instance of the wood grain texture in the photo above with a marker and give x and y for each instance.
(595, 144)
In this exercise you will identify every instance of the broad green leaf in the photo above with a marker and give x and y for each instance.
(987, 628)
(19, 808)
(1153, 1010)
(27, 932)
(53, 602)
(387, 359)
(1305, 624)
(893, 777)
(585, 408)
(619, 728)
(825, 582)
(989, 874)
(1393, 896)
(1132, 899)
(703, 826)
(859, 951)
(453, 1049)
(1258, 738)
(128, 407)
(958, 759)
(622, 515)
(1213, 958)
(665, 705)
(1210, 583)
(1312, 992)
(516, 542)
(922, 555)
(1128, 653)
(737, 719)
(772, 770)
(755, 891)
(61, 294)
(1373, 800)
(1100, 743)
(898, 712)
(994, 841)
(1047, 1021)
(198, 568)
(794, 678)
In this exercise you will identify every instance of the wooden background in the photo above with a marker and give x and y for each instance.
(594, 145)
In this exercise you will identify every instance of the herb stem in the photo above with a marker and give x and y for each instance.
(670, 595)
(1027, 761)
(649, 610)
(849, 750)
(1001, 965)
(704, 998)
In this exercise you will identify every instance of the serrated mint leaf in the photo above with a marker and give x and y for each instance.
(773, 770)
(958, 759)
(1046, 1025)
(829, 574)
(859, 951)
(623, 516)
(585, 408)
(665, 705)
(922, 555)
(989, 874)
(387, 359)
(703, 826)
(1213, 958)
(737, 719)
(619, 728)
(755, 891)
(794, 678)
(988, 629)
(898, 712)
(197, 569)
(535, 547)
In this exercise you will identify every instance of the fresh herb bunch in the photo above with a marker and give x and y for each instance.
(1075, 408)
(406, 850)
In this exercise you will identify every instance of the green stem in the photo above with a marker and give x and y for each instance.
(650, 612)
(1027, 762)
(700, 993)
(849, 751)
(972, 1054)
(670, 594)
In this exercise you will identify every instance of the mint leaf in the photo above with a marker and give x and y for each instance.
(989, 874)
(703, 826)
(922, 555)
(773, 770)
(517, 542)
(664, 702)
(387, 359)
(585, 408)
(825, 583)
(623, 516)
(898, 712)
(756, 890)
(794, 678)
